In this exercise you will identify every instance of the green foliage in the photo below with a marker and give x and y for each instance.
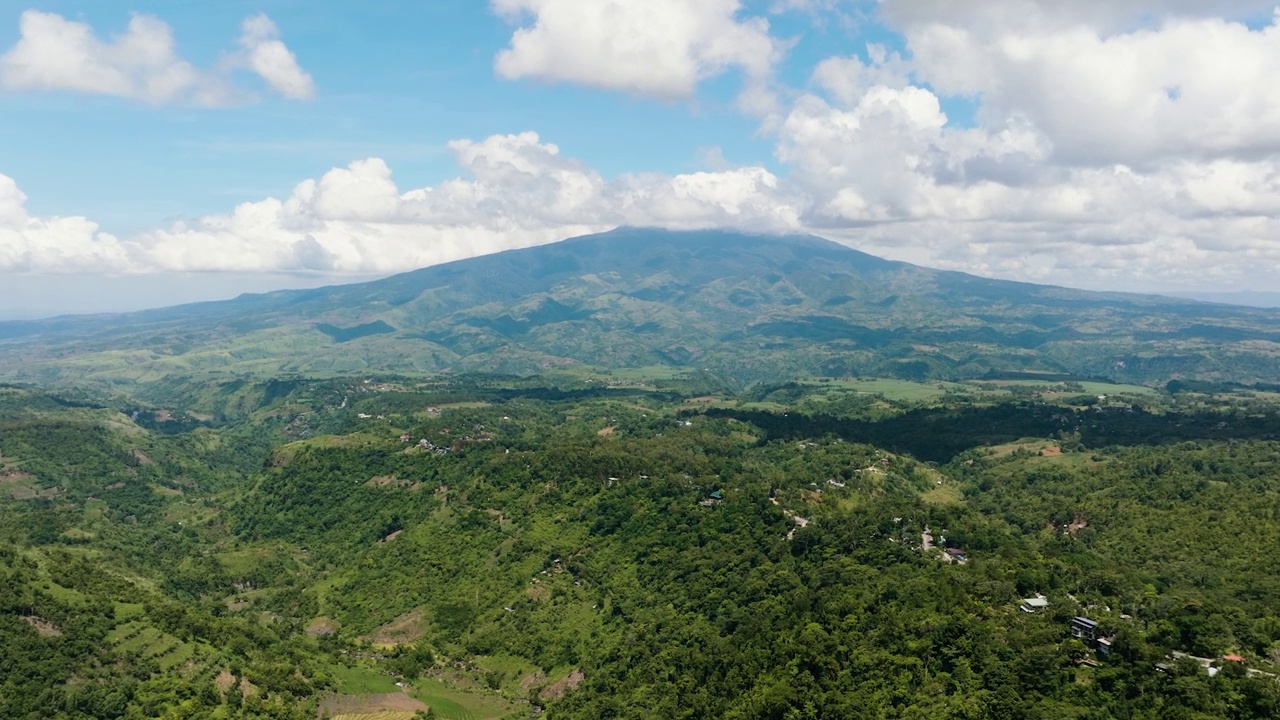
(563, 546)
(741, 309)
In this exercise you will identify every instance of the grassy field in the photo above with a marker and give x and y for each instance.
(361, 681)
(453, 704)
(129, 611)
(1090, 388)
(904, 390)
(944, 494)
(1097, 388)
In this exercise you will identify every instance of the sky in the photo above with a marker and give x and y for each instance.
(163, 152)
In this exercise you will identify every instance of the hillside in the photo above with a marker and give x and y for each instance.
(532, 550)
(744, 307)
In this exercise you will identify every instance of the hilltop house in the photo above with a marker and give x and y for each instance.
(1084, 629)
(1087, 630)
(1034, 604)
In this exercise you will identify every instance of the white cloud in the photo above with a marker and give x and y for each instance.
(1114, 145)
(1196, 87)
(1130, 144)
(54, 53)
(516, 191)
(267, 56)
(885, 174)
(650, 47)
(1106, 15)
(889, 174)
(35, 244)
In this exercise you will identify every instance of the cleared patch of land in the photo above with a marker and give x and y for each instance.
(363, 706)
(944, 494)
(454, 704)
(405, 629)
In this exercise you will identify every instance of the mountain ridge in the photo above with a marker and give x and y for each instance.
(750, 307)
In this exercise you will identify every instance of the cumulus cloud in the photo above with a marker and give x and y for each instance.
(1106, 15)
(651, 47)
(885, 173)
(1113, 145)
(515, 191)
(142, 63)
(1198, 87)
(1131, 142)
(35, 244)
(267, 56)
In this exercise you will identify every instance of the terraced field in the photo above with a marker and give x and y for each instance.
(148, 642)
(452, 704)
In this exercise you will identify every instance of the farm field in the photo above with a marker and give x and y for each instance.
(453, 704)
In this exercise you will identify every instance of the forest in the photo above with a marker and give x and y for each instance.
(493, 547)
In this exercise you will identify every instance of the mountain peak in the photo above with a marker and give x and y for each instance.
(750, 306)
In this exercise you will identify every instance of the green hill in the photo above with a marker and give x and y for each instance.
(504, 547)
(744, 307)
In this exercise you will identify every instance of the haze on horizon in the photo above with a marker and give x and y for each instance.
(168, 154)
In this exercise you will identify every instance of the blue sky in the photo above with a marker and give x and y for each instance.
(394, 80)
(1108, 145)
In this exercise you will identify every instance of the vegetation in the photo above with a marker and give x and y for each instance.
(648, 545)
(738, 309)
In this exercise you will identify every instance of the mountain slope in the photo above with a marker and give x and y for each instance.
(748, 307)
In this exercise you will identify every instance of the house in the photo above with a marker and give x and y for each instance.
(406, 437)
(1034, 604)
(1105, 643)
(1233, 658)
(1084, 628)
(716, 495)
(958, 555)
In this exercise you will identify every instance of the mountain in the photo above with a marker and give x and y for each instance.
(747, 307)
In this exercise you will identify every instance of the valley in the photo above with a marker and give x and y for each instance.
(478, 547)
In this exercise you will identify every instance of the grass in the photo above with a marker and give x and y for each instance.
(506, 664)
(944, 494)
(175, 657)
(121, 632)
(240, 562)
(903, 390)
(1097, 388)
(64, 595)
(361, 681)
(142, 642)
(453, 704)
(650, 372)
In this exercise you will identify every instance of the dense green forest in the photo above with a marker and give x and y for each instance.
(490, 547)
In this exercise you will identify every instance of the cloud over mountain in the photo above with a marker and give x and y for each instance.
(516, 191)
(1090, 143)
